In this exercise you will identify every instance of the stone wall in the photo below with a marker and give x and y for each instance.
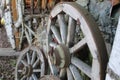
(100, 9)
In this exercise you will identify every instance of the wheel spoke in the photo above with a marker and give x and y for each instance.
(21, 36)
(63, 27)
(36, 63)
(24, 62)
(33, 57)
(31, 78)
(23, 78)
(56, 33)
(42, 68)
(28, 58)
(82, 66)
(52, 44)
(27, 78)
(71, 31)
(69, 74)
(32, 32)
(28, 38)
(75, 73)
(51, 66)
(34, 77)
(36, 70)
(62, 73)
(78, 46)
(20, 71)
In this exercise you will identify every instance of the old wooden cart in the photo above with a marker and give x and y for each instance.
(61, 40)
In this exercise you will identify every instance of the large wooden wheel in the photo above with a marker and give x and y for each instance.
(30, 64)
(76, 49)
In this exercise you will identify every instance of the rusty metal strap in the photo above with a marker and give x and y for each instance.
(112, 74)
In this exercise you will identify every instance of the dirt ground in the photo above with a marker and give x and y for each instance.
(3, 38)
(7, 64)
(7, 68)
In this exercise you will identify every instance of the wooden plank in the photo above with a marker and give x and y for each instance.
(14, 10)
(114, 61)
(8, 52)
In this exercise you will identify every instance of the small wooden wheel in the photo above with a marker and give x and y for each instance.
(30, 64)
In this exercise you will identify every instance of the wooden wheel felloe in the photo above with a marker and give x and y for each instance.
(30, 65)
(76, 48)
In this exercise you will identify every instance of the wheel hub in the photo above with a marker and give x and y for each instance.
(61, 56)
(27, 70)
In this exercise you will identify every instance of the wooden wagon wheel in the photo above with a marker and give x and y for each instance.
(27, 32)
(30, 64)
(76, 49)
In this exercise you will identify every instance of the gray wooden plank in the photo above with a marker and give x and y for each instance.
(8, 52)
(114, 60)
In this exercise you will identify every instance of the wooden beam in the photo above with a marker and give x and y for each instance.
(114, 60)
(8, 52)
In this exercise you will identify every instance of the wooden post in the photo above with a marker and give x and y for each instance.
(113, 70)
(14, 10)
